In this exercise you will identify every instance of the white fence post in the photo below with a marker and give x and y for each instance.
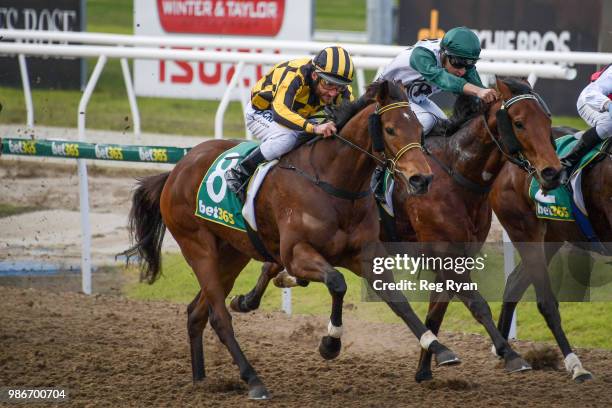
(286, 301)
(508, 268)
(27, 93)
(83, 184)
(225, 100)
(129, 87)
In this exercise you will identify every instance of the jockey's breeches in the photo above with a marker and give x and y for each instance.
(601, 121)
(427, 112)
(276, 139)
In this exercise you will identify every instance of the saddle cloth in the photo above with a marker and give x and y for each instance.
(217, 203)
(557, 204)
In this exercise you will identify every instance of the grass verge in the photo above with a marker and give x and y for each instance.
(586, 324)
(6, 210)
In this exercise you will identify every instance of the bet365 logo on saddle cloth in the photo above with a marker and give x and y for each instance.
(216, 202)
(556, 204)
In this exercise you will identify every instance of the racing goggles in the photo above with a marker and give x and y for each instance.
(460, 62)
(330, 86)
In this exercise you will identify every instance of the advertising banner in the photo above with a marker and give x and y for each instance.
(270, 19)
(45, 15)
(542, 25)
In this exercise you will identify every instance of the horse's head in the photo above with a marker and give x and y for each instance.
(396, 132)
(524, 130)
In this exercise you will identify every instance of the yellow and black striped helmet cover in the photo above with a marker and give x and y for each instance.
(335, 61)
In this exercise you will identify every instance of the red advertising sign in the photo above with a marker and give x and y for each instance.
(223, 17)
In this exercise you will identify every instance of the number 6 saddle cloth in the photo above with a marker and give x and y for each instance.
(217, 203)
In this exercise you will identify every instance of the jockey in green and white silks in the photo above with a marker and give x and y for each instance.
(432, 66)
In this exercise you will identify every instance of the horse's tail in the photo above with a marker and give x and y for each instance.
(147, 227)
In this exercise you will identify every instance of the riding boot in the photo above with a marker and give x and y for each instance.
(238, 176)
(589, 140)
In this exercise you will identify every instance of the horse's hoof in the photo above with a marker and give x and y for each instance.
(238, 304)
(424, 375)
(329, 348)
(447, 358)
(516, 364)
(302, 282)
(583, 377)
(259, 393)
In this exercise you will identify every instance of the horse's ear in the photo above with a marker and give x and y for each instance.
(502, 88)
(383, 93)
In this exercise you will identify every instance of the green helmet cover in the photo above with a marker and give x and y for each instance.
(461, 42)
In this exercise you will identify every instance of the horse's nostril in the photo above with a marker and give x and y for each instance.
(549, 174)
(420, 182)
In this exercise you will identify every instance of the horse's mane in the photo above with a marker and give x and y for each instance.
(347, 110)
(467, 107)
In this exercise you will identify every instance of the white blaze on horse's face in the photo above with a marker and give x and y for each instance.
(406, 115)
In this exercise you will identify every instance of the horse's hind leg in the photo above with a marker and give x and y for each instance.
(516, 285)
(199, 309)
(216, 266)
(481, 311)
(251, 301)
(197, 317)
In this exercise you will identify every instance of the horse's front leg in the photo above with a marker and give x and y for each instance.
(307, 263)
(534, 261)
(438, 303)
(399, 305)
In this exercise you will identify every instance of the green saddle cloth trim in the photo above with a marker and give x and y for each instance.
(557, 203)
(216, 202)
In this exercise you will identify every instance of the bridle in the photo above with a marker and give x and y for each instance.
(375, 131)
(378, 145)
(509, 145)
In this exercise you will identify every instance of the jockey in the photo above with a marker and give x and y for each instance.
(284, 99)
(595, 107)
(431, 66)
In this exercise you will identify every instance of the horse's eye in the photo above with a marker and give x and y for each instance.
(390, 131)
(519, 125)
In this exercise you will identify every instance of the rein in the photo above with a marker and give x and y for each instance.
(520, 161)
(390, 163)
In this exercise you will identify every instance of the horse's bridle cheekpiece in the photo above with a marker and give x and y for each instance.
(375, 130)
(510, 145)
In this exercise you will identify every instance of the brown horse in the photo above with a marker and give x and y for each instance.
(516, 212)
(456, 209)
(302, 226)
